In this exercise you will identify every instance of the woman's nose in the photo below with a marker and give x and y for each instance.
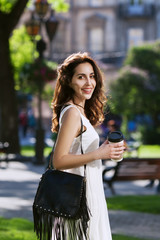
(88, 81)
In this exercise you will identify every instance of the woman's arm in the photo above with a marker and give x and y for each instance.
(62, 159)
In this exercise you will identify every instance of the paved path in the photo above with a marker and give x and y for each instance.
(135, 224)
(18, 183)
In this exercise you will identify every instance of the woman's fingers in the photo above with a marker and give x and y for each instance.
(111, 150)
(116, 150)
(117, 157)
(119, 150)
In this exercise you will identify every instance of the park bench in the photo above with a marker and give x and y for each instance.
(131, 169)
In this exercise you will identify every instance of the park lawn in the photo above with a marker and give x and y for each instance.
(149, 151)
(16, 229)
(22, 229)
(120, 237)
(144, 151)
(146, 204)
(29, 151)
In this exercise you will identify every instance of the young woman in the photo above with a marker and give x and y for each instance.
(80, 89)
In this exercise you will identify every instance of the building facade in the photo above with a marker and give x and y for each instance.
(106, 28)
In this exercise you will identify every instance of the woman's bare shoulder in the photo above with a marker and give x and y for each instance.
(72, 114)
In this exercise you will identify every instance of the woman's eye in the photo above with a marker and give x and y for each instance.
(80, 77)
(92, 76)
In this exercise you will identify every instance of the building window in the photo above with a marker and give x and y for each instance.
(95, 40)
(95, 2)
(135, 2)
(135, 37)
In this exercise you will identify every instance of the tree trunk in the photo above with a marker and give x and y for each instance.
(8, 110)
(8, 105)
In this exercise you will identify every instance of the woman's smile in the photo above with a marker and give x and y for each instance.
(87, 90)
(83, 81)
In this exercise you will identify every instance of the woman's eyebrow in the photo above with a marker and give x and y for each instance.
(80, 74)
(92, 73)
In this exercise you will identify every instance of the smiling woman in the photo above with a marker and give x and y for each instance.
(79, 97)
(79, 68)
(83, 82)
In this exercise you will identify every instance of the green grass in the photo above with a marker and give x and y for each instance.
(22, 229)
(29, 151)
(144, 151)
(149, 151)
(16, 229)
(120, 237)
(146, 204)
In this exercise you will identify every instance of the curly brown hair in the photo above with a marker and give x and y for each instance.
(64, 93)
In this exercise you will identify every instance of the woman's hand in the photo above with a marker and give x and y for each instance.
(111, 151)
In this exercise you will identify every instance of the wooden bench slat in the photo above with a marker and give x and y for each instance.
(134, 169)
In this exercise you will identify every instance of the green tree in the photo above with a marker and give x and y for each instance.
(22, 51)
(29, 71)
(137, 89)
(10, 13)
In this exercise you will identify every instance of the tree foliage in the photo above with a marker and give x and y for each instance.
(126, 90)
(34, 76)
(29, 72)
(146, 57)
(137, 89)
(22, 51)
(6, 6)
(59, 5)
(10, 13)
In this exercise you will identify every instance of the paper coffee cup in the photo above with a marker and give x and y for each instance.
(116, 137)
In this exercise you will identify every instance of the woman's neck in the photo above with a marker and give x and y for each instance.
(79, 105)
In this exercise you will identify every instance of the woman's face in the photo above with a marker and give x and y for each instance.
(83, 82)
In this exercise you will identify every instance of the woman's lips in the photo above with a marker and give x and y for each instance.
(87, 90)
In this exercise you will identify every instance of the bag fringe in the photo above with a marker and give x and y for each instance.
(49, 227)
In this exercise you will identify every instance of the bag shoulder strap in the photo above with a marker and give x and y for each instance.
(81, 131)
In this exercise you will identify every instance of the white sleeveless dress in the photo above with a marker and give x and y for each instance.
(99, 227)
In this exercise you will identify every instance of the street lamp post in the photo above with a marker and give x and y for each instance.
(33, 27)
(40, 133)
(51, 28)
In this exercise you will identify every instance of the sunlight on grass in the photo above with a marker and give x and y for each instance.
(135, 203)
(16, 229)
(29, 151)
(22, 229)
(120, 237)
(149, 151)
(144, 151)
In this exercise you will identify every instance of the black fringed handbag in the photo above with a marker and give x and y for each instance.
(60, 210)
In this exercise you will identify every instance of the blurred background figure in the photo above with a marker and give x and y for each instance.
(31, 122)
(110, 124)
(23, 121)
